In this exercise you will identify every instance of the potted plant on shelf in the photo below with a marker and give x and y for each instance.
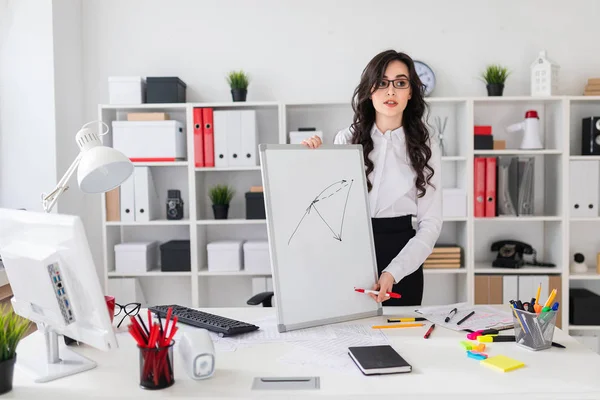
(12, 329)
(220, 195)
(494, 77)
(238, 81)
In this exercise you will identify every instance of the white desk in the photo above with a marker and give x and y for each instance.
(441, 369)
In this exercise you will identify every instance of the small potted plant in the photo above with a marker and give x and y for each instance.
(12, 329)
(221, 195)
(238, 81)
(494, 77)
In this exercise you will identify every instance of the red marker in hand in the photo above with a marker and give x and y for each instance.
(389, 294)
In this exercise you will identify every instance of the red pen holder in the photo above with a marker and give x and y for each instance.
(156, 367)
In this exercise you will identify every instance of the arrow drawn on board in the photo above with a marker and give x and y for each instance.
(330, 191)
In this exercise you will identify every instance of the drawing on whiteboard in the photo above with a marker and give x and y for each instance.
(336, 195)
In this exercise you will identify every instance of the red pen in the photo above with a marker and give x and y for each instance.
(390, 294)
(429, 331)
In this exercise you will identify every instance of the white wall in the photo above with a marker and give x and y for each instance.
(27, 120)
(68, 83)
(315, 50)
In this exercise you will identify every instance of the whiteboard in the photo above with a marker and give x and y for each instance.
(320, 234)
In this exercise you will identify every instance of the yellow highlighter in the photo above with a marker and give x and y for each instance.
(550, 298)
(396, 326)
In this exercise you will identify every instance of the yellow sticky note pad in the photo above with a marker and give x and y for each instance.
(502, 363)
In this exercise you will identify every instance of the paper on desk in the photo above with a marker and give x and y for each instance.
(268, 334)
(333, 353)
(485, 317)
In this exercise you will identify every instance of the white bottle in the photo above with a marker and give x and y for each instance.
(578, 266)
(531, 128)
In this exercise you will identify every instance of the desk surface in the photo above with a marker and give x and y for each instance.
(440, 366)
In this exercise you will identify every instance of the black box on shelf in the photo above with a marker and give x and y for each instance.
(165, 90)
(484, 142)
(255, 205)
(584, 307)
(175, 256)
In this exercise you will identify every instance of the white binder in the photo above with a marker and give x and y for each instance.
(234, 138)
(220, 128)
(249, 139)
(146, 197)
(583, 191)
(127, 200)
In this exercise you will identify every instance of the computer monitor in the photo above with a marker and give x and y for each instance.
(55, 284)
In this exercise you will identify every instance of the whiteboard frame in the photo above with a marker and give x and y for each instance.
(280, 309)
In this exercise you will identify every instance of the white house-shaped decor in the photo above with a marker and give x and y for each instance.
(544, 76)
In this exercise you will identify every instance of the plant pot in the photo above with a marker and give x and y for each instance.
(7, 369)
(239, 94)
(220, 210)
(495, 89)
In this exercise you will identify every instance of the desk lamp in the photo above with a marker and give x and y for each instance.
(99, 168)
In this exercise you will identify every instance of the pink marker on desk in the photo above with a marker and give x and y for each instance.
(389, 294)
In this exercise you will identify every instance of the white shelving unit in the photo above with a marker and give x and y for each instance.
(552, 233)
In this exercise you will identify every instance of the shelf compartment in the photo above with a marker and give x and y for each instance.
(486, 268)
(503, 112)
(588, 276)
(152, 273)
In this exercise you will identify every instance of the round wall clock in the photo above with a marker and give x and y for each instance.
(426, 75)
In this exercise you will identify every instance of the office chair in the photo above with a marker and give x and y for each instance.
(264, 298)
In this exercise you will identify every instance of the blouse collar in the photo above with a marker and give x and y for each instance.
(397, 133)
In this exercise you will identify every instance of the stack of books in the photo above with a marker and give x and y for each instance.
(593, 87)
(444, 256)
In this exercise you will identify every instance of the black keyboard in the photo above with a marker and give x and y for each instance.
(199, 319)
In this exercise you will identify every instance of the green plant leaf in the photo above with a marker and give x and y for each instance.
(221, 194)
(238, 80)
(12, 329)
(495, 74)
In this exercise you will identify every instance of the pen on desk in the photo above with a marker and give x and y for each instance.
(429, 331)
(465, 318)
(396, 326)
(390, 294)
(454, 310)
(413, 319)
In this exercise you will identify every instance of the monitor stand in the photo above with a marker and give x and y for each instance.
(55, 366)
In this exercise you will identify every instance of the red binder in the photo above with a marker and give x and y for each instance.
(209, 138)
(490, 186)
(198, 138)
(479, 187)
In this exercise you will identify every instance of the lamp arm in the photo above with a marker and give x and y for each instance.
(48, 201)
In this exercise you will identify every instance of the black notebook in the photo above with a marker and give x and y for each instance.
(374, 360)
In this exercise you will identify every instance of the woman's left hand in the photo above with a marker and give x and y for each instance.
(386, 281)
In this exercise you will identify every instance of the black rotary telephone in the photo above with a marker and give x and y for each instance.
(510, 255)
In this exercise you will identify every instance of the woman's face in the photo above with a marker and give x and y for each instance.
(391, 94)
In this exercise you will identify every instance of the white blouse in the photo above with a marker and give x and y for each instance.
(394, 194)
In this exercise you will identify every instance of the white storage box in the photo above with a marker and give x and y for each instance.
(135, 257)
(225, 255)
(256, 257)
(454, 202)
(126, 89)
(150, 140)
(296, 137)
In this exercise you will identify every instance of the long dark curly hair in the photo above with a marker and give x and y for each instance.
(417, 135)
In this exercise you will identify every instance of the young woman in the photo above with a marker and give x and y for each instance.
(403, 168)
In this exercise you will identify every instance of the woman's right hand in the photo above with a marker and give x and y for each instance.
(312, 142)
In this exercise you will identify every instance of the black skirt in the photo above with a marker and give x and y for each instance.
(390, 236)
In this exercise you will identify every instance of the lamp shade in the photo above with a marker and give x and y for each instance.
(102, 169)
